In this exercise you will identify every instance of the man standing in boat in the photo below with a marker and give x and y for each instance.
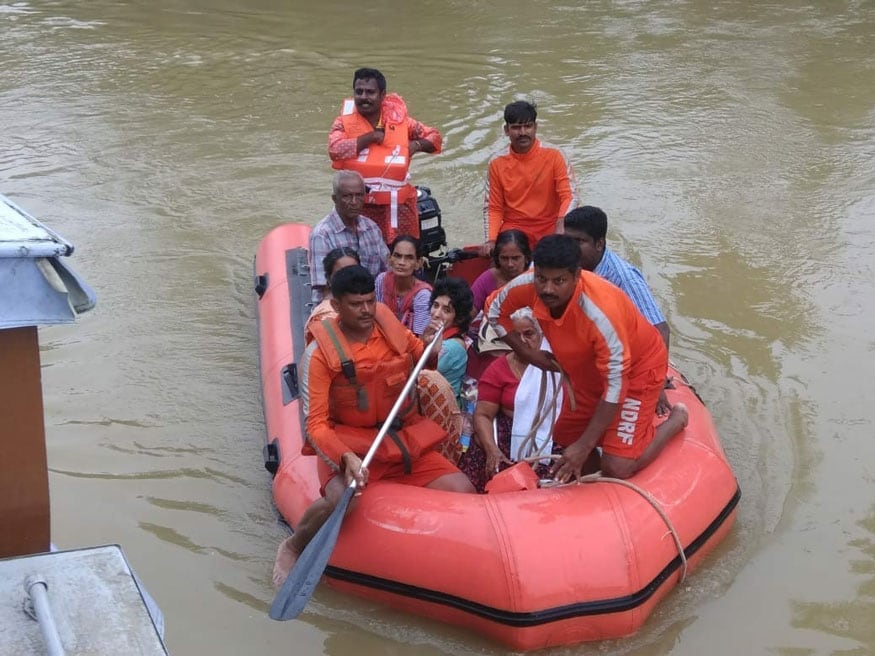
(346, 227)
(588, 226)
(351, 375)
(615, 361)
(375, 136)
(530, 187)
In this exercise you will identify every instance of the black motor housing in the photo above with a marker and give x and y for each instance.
(431, 233)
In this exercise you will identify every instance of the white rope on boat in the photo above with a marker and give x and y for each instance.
(597, 477)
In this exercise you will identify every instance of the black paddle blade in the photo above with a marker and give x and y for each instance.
(297, 589)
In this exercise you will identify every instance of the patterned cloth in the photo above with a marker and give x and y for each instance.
(331, 232)
(473, 461)
(408, 219)
(628, 278)
(438, 403)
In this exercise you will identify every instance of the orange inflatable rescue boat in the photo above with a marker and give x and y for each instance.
(530, 569)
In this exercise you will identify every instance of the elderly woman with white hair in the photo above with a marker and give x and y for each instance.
(510, 420)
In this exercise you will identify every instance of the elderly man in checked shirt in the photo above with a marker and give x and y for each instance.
(345, 226)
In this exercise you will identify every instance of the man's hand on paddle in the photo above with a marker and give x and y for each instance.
(353, 470)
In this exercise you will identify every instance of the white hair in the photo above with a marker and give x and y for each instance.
(342, 175)
(525, 313)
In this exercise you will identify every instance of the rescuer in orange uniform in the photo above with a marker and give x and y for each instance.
(351, 375)
(615, 360)
(375, 136)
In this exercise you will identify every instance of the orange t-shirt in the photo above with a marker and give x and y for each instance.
(601, 340)
(528, 192)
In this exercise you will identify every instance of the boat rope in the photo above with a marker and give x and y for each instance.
(597, 477)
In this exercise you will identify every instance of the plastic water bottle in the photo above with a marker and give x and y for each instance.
(467, 427)
(469, 401)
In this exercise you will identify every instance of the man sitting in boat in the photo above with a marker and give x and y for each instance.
(529, 188)
(351, 376)
(375, 136)
(614, 358)
(346, 227)
(588, 226)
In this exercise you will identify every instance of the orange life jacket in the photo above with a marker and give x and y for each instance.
(361, 396)
(384, 166)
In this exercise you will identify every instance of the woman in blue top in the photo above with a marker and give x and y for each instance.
(452, 302)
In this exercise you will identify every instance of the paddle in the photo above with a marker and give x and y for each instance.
(298, 587)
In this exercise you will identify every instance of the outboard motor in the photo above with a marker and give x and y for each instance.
(431, 233)
(439, 258)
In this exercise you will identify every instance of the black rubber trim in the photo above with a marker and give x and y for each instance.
(271, 453)
(536, 618)
(289, 379)
(261, 284)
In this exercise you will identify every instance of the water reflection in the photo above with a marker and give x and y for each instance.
(851, 620)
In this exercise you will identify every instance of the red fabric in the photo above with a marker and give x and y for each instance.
(498, 384)
(408, 218)
(632, 430)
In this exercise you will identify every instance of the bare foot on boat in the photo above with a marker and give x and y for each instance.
(286, 557)
(677, 420)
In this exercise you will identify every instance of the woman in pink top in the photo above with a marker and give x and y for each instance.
(510, 258)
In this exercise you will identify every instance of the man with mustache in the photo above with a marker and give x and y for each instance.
(529, 188)
(375, 136)
(351, 375)
(615, 360)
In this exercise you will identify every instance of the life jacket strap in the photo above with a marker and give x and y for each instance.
(347, 366)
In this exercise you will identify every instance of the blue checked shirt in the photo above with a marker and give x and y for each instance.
(331, 233)
(615, 269)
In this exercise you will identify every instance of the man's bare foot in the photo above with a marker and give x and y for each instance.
(286, 557)
(663, 407)
(678, 418)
